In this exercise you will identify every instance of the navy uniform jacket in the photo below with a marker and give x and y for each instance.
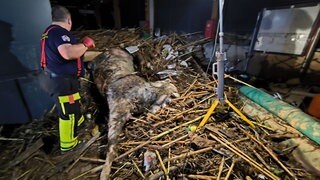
(55, 62)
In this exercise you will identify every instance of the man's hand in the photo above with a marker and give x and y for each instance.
(88, 42)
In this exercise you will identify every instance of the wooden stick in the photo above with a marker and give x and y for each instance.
(23, 174)
(245, 157)
(174, 141)
(169, 154)
(180, 114)
(119, 169)
(195, 176)
(131, 150)
(185, 155)
(261, 159)
(192, 84)
(152, 142)
(221, 168)
(157, 137)
(157, 175)
(230, 170)
(67, 160)
(10, 139)
(26, 154)
(269, 152)
(92, 160)
(138, 169)
(98, 168)
(237, 80)
(263, 126)
(75, 162)
(162, 165)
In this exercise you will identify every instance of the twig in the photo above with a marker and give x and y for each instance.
(235, 79)
(75, 162)
(169, 154)
(221, 168)
(139, 171)
(131, 150)
(65, 162)
(152, 142)
(10, 139)
(23, 174)
(195, 176)
(184, 155)
(26, 154)
(126, 163)
(230, 170)
(269, 152)
(162, 165)
(245, 157)
(261, 159)
(157, 175)
(174, 141)
(192, 84)
(157, 137)
(92, 160)
(98, 168)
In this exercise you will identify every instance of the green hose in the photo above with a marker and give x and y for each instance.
(301, 121)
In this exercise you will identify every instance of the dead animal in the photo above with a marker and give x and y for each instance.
(126, 94)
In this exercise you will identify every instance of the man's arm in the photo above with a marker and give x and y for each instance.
(74, 51)
(70, 52)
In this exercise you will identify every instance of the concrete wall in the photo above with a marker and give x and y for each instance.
(21, 25)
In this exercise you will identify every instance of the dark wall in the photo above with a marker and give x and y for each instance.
(240, 15)
(189, 15)
(182, 15)
(21, 26)
(132, 12)
(94, 14)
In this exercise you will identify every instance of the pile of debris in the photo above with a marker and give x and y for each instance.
(163, 145)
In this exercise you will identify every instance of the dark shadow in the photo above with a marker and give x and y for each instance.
(11, 67)
(103, 11)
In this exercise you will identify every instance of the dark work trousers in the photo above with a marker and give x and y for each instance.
(65, 94)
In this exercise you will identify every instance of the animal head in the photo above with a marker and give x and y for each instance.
(166, 87)
(120, 53)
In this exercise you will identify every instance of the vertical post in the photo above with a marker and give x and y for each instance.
(220, 56)
(117, 14)
(151, 16)
(308, 58)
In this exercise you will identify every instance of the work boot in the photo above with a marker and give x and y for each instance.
(77, 147)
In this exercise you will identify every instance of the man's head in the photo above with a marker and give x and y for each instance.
(61, 14)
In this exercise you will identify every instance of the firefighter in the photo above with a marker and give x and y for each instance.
(61, 59)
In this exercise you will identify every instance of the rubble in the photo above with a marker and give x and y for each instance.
(165, 144)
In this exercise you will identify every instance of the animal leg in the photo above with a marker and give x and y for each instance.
(119, 114)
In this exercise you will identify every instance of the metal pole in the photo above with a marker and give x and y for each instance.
(310, 54)
(151, 16)
(220, 56)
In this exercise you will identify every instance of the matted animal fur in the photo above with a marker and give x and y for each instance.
(126, 94)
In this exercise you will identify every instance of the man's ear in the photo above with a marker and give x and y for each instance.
(69, 21)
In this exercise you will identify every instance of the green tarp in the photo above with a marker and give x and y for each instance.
(301, 121)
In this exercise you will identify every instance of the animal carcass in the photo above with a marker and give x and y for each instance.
(126, 94)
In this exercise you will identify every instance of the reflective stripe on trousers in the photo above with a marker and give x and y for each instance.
(68, 122)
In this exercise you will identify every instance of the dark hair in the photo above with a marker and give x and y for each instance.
(59, 13)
